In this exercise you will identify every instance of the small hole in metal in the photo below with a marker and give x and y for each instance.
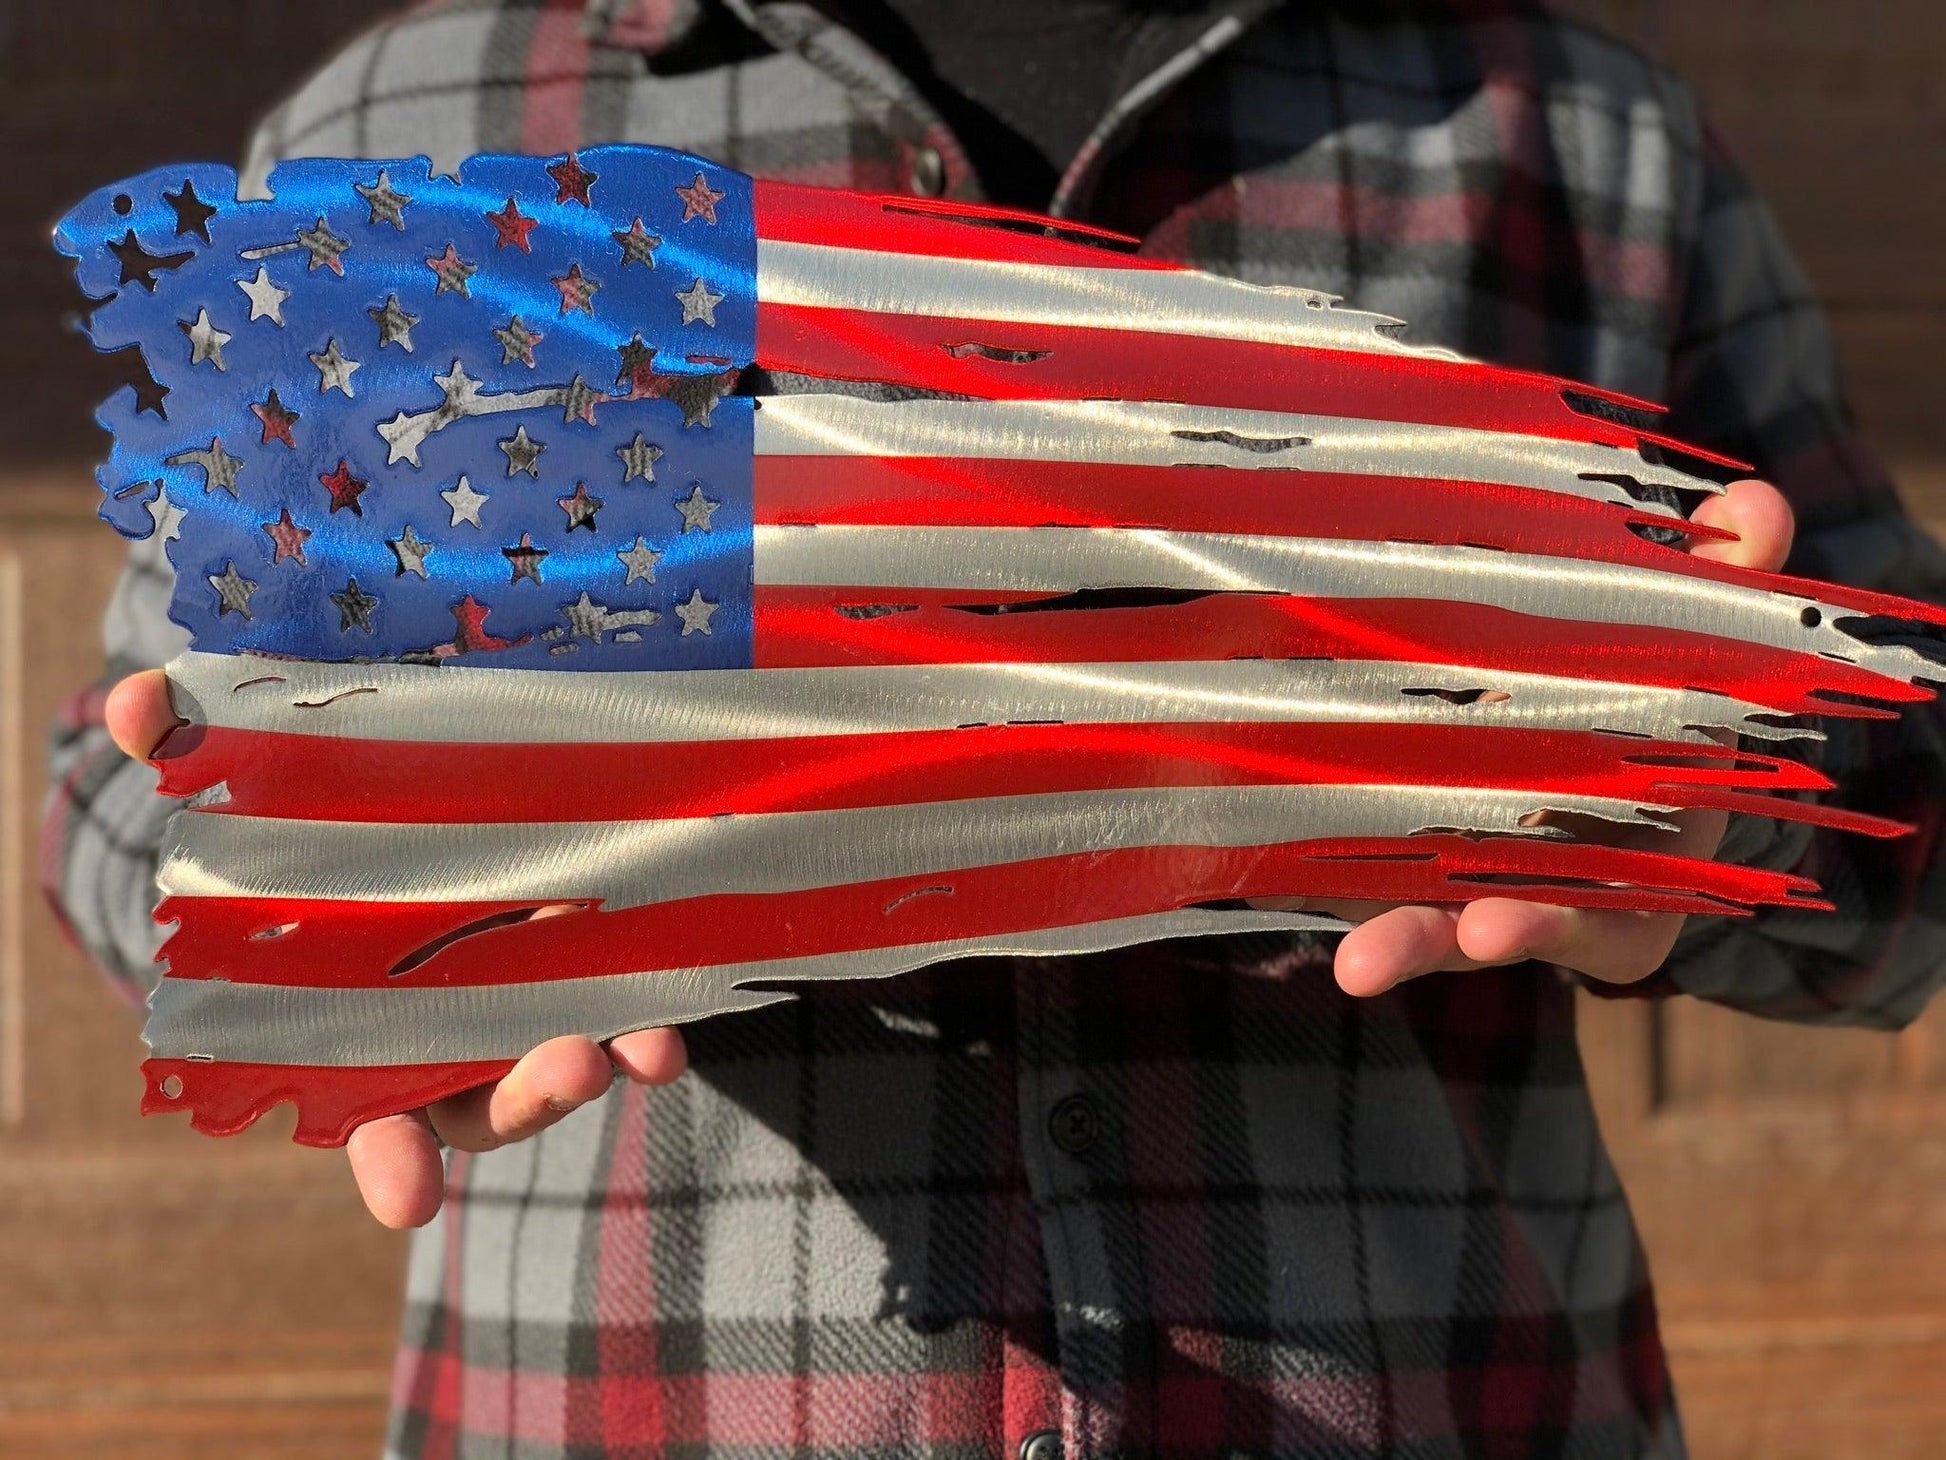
(172, 1086)
(123, 202)
(1810, 618)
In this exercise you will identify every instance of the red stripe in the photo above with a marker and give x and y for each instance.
(813, 627)
(355, 945)
(222, 1099)
(888, 223)
(934, 491)
(1077, 362)
(408, 781)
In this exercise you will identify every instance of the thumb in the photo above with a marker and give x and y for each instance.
(1760, 517)
(138, 713)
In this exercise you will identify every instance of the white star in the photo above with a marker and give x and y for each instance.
(638, 459)
(402, 439)
(387, 202)
(233, 591)
(219, 467)
(168, 517)
(696, 510)
(334, 368)
(465, 503)
(410, 552)
(585, 617)
(695, 614)
(523, 453)
(699, 302)
(640, 560)
(266, 299)
(206, 341)
(460, 389)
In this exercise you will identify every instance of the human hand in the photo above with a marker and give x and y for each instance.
(1394, 943)
(395, 1160)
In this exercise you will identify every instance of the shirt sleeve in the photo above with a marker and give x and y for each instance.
(1754, 373)
(104, 820)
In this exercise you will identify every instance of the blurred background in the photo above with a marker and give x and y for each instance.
(166, 1295)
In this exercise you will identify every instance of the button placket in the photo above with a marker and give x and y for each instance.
(1074, 1124)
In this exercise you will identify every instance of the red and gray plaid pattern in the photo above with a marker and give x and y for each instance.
(1185, 1200)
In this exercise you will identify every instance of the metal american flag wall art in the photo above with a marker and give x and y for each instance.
(620, 590)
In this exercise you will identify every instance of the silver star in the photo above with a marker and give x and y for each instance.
(585, 617)
(579, 399)
(410, 552)
(219, 467)
(517, 343)
(452, 272)
(206, 341)
(334, 368)
(699, 302)
(523, 453)
(402, 437)
(696, 510)
(698, 395)
(639, 458)
(460, 389)
(386, 202)
(590, 620)
(266, 299)
(581, 508)
(695, 614)
(354, 607)
(233, 591)
(638, 245)
(323, 246)
(640, 560)
(394, 324)
(168, 517)
(465, 503)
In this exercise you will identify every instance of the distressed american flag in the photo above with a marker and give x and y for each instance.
(550, 673)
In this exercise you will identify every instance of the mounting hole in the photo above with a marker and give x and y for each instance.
(1810, 618)
(123, 202)
(172, 1087)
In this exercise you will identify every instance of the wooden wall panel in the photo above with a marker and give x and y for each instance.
(161, 1294)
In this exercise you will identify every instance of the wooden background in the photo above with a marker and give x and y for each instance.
(164, 1295)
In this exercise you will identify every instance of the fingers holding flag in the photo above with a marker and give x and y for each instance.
(396, 1160)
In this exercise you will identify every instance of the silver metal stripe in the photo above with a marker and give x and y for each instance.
(195, 1018)
(410, 702)
(1143, 433)
(1060, 559)
(634, 863)
(1151, 301)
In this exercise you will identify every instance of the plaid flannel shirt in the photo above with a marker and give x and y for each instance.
(1183, 1200)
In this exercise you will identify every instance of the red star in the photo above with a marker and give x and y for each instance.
(344, 488)
(289, 538)
(699, 200)
(513, 226)
(572, 180)
(472, 635)
(277, 421)
(577, 290)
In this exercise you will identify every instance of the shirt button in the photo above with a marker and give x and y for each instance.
(928, 173)
(1041, 1445)
(1075, 1124)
